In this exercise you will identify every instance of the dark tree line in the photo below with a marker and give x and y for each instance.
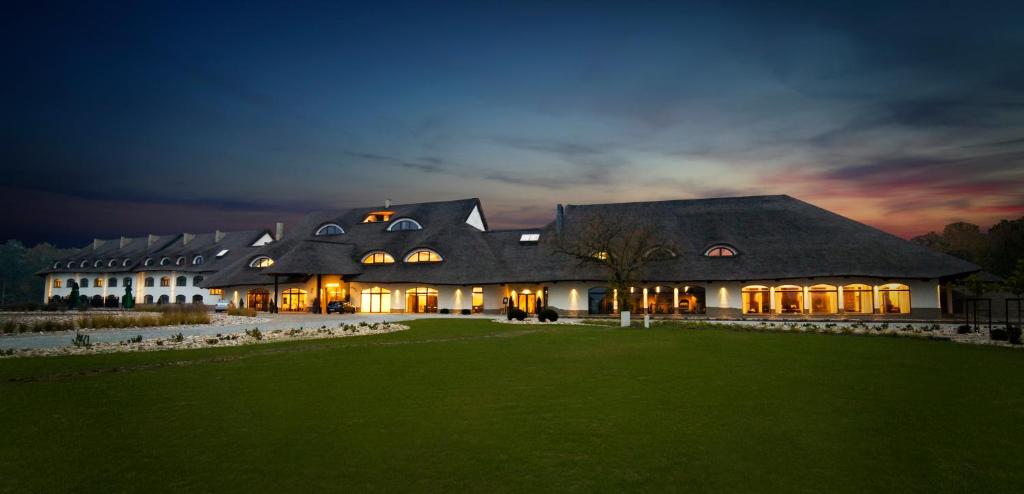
(18, 265)
(996, 251)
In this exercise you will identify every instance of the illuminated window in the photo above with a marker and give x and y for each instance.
(378, 216)
(858, 299)
(756, 299)
(421, 300)
(180, 261)
(478, 299)
(602, 255)
(789, 299)
(378, 257)
(216, 291)
(529, 238)
(423, 255)
(56, 283)
(261, 262)
(375, 299)
(329, 229)
(148, 261)
(148, 281)
(404, 224)
(720, 251)
(197, 260)
(181, 281)
(165, 281)
(824, 299)
(112, 282)
(84, 283)
(165, 261)
(894, 298)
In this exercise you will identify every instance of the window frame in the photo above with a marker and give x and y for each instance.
(386, 258)
(320, 230)
(418, 252)
(404, 220)
(708, 252)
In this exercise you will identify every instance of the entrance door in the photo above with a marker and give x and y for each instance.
(258, 299)
(293, 300)
(527, 302)
(421, 300)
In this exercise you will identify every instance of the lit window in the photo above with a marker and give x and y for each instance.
(165, 281)
(720, 251)
(216, 291)
(166, 261)
(823, 299)
(329, 229)
(404, 224)
(756, 299)
(180, 261)
(529, 237)
(375, 299)
(378, 257)
(56, 283)
(222, 253)
(894, 298)
(789, 299)
(378, 216)
(602, 255)
(423, 255)
(197, 260)
(858, 299)
(261, 262)
(478, 299)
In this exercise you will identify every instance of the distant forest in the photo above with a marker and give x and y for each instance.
(996, 251)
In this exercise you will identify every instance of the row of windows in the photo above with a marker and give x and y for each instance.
(418, 300)
(660, 253)
(112, 282)
(416, 256)
(399, 225)
(164, 261)
(164, 299)
(892, 298)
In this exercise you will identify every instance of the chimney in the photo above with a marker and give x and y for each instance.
(387, 203)
(151, 240)
(559, 218)
(218, 236)
(278, 231)
(186, 238)
(122, 243)
(96, 243)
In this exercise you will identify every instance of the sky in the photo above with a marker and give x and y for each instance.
(150, 117)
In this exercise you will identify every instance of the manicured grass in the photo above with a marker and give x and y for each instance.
(477, 406)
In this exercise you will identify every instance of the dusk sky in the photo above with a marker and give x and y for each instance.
(170, 117)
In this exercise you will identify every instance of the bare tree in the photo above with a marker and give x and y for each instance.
(622, 246)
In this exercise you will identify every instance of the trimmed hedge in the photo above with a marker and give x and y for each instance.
(547, 314)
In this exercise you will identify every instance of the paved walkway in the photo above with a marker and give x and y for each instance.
(276, 321)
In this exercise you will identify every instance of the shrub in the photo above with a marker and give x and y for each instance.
(241, 311)
(964, 329)
(254, 333)
(178, 338)
(547, 314)
(134, 339)
(517, 314)
(998, 334)
(212, 341)
(445, 311)
(81, 340)
(466, 312)
(1014, 334)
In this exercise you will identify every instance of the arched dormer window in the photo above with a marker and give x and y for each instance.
(112, 263)
(165, 261)
(378, 257)
(126, 262)
(423, 255)
(197, 260)
(261, 262)
(97, 264)
(84, 264)
(148, 262)
(56, 265)
(180, 261)
(660, 253)
(720, 250)
(404, 225)
(329, 229)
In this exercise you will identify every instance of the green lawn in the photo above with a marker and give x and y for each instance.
(473, 405)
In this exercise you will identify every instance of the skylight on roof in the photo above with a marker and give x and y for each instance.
(529, 237)
(221, 253)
